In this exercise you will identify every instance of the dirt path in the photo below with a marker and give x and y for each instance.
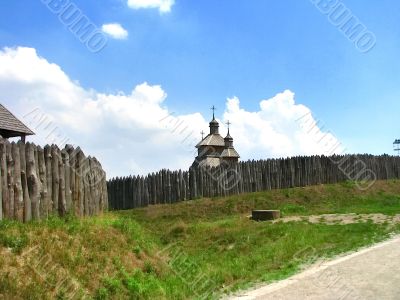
(372, 273)
(343, 219)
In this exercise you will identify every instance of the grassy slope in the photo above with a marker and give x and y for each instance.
(188, 249)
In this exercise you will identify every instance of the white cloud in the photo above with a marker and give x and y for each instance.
(280, 128)
(136, 133)
(164, 6)
(115, 30)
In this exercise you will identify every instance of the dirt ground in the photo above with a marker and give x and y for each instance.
(343, 219)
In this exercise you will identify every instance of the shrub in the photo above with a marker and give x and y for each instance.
(15, 242)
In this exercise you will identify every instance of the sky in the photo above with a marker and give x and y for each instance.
(135, 89)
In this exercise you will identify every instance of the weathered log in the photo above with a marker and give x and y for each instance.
(4, 172)
(79, 183)
(18, 193)
(1, 180)
(86, 186)
(24, 181)
(62, 204)
(55, 174)
(10, 183)
(49, 179)
(33, 181)
(67, 179)
(43, 184)
(71, 170)
(93, 188)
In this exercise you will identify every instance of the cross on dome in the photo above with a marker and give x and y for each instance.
(213, 108)
(229, 124)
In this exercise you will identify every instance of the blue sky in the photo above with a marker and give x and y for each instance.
(203, 52)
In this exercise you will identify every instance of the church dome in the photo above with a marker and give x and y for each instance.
(228, 137)
(214, 122)
(214, 126)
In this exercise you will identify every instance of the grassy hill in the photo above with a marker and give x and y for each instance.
(195, 249)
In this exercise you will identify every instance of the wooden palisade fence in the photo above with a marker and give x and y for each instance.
(252, 176)
(37, 182)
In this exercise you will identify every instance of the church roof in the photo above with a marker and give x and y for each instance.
(10, 126)
(229, 152)
(212, 140)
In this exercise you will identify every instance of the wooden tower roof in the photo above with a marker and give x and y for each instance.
(10, 126)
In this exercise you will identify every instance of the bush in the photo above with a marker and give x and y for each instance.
(15, 242)
(101, 294)
(142, 285)
(113, 285)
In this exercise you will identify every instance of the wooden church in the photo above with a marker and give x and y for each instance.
(214, 150)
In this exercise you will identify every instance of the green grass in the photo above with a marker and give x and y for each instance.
(187, 250)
